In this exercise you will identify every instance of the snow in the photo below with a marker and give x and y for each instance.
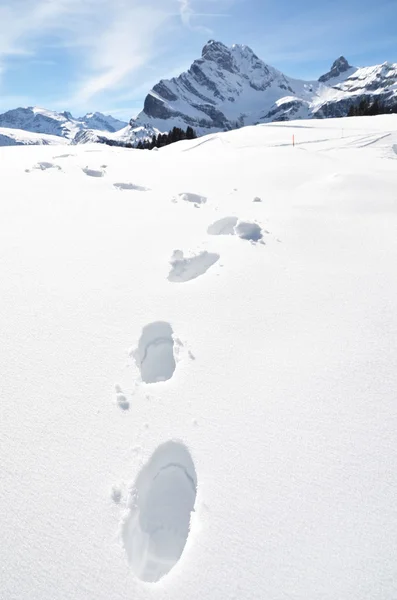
(19, 137)
(231, 435)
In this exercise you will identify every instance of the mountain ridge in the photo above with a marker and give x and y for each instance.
(225, 88)
(43, 121)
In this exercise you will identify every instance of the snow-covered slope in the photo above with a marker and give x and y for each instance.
(40, 120)
(230, 87)
(199, 367)
(18, 137)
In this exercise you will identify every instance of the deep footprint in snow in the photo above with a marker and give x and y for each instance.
(193, 198)
(43, 166)
(185, 269)
(247, 230)
(155, 353)
(224, 226)
(94, 172)
(121, 399)
(157, 526)
(130, 186)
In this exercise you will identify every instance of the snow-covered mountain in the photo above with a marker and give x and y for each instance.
(40, 120)
(227, 88)
(19, 137)
(230, 87)
(124, 137)
(101, 122)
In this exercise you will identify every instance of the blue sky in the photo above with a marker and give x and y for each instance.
(86, 55)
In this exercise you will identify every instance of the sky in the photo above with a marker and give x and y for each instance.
(105, 55)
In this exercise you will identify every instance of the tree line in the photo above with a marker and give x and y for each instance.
(164, 139)
(367, 108)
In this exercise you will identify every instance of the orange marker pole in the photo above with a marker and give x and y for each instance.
(293, 140)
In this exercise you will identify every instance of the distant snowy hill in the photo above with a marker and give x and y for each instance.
(230, 87)
(19, 137)
(40, 120)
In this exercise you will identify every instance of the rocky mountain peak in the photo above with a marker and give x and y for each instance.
(339, 66)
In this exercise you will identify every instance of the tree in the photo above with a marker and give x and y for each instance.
(190, 134)
(164, 139)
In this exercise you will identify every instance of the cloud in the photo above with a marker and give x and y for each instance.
(109, 39)
(112, 42)
(189, 15)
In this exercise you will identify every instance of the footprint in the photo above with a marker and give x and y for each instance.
(43, 166)
(94, 172)
(247, 230)
(130, 186)
(193, 198)
(257, 199)
(156, 528)
(155, 353)
(224, 226)
(121, 399)
(185, 269)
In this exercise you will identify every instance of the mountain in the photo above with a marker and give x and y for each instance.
(339, 71)
(101, 122)
(226, 88)
(124, 137)
(231, 87)
(40, 120)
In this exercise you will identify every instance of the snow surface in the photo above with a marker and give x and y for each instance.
(231, 436)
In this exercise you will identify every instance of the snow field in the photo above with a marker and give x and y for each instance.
(233, 435)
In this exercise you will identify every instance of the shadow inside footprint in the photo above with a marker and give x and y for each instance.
(193, 198)
(157, 526)
(43, 166)
(154, 356)
(94, 172)
(130, 186)
(247, 230)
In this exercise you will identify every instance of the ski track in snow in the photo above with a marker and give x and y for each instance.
(156, 529)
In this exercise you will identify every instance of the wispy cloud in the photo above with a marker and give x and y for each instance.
(190, 15)
(110, 39)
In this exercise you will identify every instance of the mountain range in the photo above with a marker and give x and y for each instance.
(227, 88)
